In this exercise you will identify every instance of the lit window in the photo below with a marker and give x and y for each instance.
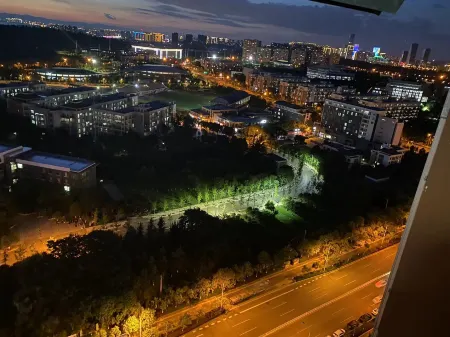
(19, 165)
(66, 188)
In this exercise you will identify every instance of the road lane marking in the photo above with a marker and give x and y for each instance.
(334, 313)
(304, 329)
(231, 316)
(218, 321)
(207, 326)
(199, 335)
(340, 277)
(194, 331)
(241, 323)
(348, 319)
(365, 266)
(317, 335)
(248, 331)
(295, 319)
(287, 312)
(279, 305)
(235, 315)
(374, 271)
(212, 323)
(366, 296)
(313, 290)
(349, 283)
(200, 329)
(321, 296)
(271, 299)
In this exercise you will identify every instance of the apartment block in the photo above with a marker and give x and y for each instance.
(18, 162)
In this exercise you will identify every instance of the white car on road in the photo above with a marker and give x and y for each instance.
(339, 333)
(377, 299)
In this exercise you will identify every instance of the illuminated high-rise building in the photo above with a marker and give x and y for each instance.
(404, 57)
(426, 55)
(250, 50)
(175, 38)
(413, 53)
(351, 39)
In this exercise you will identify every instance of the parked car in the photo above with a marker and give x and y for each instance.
(375, 312)
(380, 283)
(377, 299)
(365, 318)
(339, 333)
(352, 325)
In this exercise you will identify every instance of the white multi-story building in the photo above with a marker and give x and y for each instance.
(386, 156)
(329, 73)
(356, 121)
(405, 90)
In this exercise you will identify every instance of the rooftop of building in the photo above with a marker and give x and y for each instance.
(218, 107)
(288, 105)
(14, 85)
(98, 99)
(4, 148)
(31, 96)
(66, 71)
(400, 82)
(65, 162)
(149, 106)
(157, 68)
(234, 97)
(391, 151)
(345, 150)
(354, 102)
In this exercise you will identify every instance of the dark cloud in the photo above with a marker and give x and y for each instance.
(109, 16)
(439, 6)
(327, 24)
(67, 2)
(152, 12)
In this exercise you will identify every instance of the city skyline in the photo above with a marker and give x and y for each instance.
(417, 21)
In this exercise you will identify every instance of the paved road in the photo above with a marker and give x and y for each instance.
(270, 314)
(334, 316)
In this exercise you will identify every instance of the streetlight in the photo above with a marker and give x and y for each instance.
(214, 56)
(94, 61)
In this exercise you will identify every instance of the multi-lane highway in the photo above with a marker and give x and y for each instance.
(313, 307)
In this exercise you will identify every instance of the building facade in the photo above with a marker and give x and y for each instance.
(18, 162)
(355, 121)
(250, 50)
(14, 88)
(329, 73)
(290, 112)
(413, 53)
(405, 90)
(386, 156)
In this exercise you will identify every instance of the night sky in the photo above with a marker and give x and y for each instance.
(423, 21)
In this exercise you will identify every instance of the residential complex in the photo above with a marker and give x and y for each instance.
(250, 50)
(404, 89)
(18, 162)
(386, 156)
(290, 112)
(330, 73)
(12, 89)
(351, 122)
(83, 111)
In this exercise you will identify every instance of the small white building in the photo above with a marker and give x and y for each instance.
(386, 156)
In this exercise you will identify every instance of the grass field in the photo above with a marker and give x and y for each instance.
(286, 216)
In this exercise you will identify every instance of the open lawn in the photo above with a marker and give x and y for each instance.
(286, 216)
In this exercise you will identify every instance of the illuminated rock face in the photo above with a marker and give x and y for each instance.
(417, 292)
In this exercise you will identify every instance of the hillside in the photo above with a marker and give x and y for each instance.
(29, 44)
